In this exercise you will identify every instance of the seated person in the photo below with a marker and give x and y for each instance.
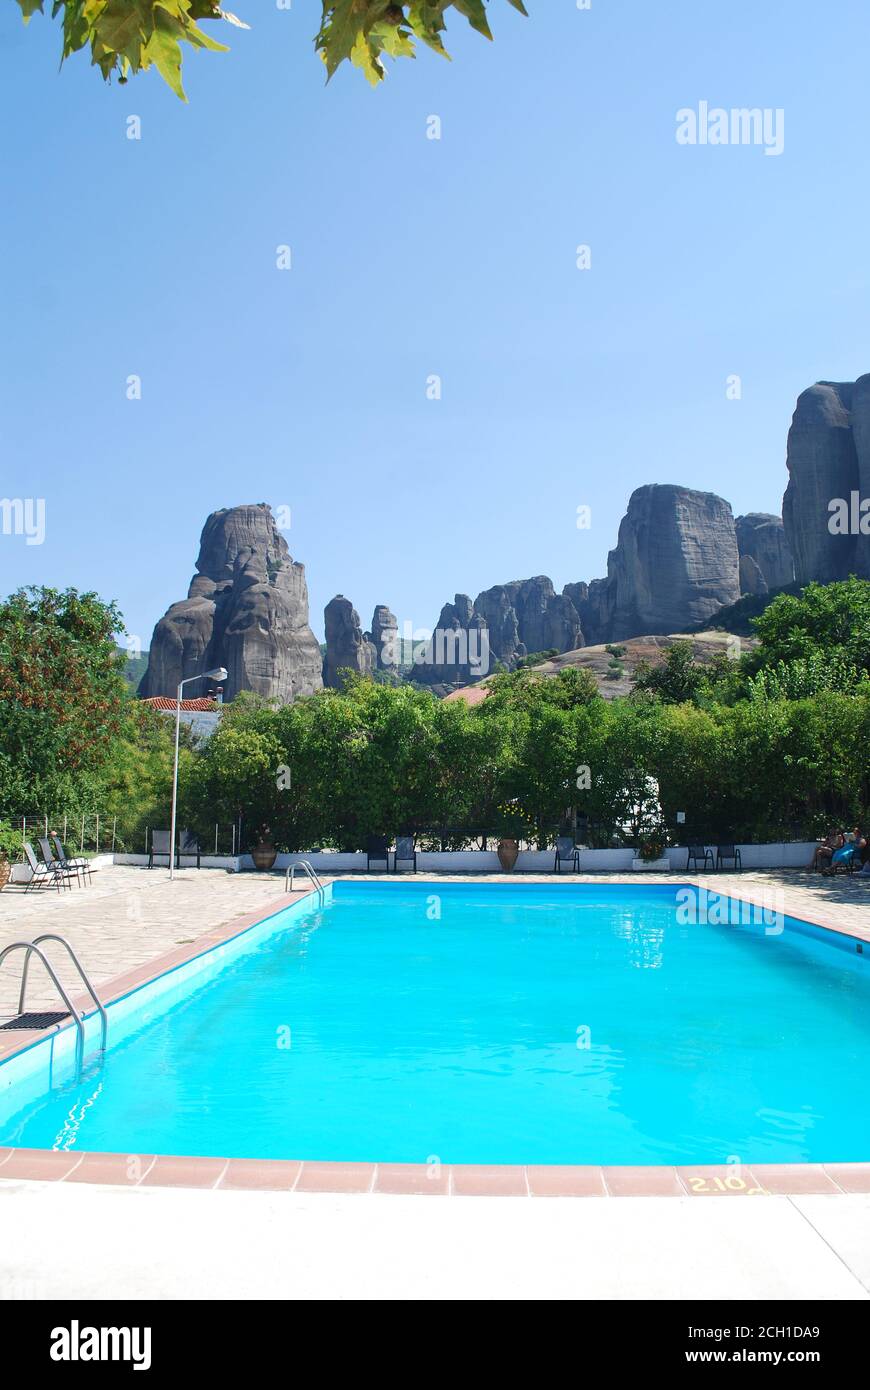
(825, 850)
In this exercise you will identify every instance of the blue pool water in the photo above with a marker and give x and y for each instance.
(414, 1035)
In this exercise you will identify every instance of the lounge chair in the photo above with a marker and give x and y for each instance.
(81, 867)
(188, 845)
(566, 853)
(700, 854)
(46, 875)
(160, 842)
(54, 861)
(405, 853)
(376, 852)
(731, 852)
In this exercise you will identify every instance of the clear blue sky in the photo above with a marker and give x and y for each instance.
(410, 257)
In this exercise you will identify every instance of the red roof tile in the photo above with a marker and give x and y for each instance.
(163, 702)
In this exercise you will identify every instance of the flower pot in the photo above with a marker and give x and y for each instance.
(659, 866)
(5, 871)
(507, 854)
(264, 855)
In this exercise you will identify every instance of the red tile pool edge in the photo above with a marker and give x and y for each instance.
(405, 1179)
(420, 1179)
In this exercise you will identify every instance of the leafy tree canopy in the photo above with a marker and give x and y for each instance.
(62, 698)
(831, 618)
(130, 36)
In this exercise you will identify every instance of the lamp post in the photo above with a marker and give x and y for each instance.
(218, 674)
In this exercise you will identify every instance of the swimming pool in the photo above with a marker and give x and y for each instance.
(409, 1022)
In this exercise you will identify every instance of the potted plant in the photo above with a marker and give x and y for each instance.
(11, 844)
(264, 852)
(513, 823)
(651, 851)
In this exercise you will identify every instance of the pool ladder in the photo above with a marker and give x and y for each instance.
(309, 870)
(33, 947)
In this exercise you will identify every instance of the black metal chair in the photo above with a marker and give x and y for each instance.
(80, 867)
(566, 852)
(377, 852)
(405, 853)
(45, 875)
(188, 845)
(160, 842)
(731, 852)
(700, 854)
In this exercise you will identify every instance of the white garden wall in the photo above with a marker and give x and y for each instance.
(772, 856)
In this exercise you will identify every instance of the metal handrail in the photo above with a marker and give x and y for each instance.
(52, 936)
(31, 946)
(309, 869)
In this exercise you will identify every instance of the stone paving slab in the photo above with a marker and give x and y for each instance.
(124, 919)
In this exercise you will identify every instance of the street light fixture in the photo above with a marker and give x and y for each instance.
(218, 674)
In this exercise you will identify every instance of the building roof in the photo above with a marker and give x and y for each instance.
(162, 702)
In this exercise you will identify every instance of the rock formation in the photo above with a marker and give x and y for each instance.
(675, 563)
(246, 609)
(505, 623)
(385, 636)
(348, 648)
(765, 560)
(829, 462)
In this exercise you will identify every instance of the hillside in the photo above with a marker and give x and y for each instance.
(601, 663)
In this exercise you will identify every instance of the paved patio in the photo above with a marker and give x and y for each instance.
(177, 1244)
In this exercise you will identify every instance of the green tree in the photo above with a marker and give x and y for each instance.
(831, 618)
(62, 698)
(130, 36)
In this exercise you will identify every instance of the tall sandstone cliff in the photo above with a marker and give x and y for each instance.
(348, 648)
(505, 623)
(246, 609)
(765, 558)
(675, 563)
(828, 460)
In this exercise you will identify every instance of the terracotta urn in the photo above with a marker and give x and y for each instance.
(264, 852)
(5, 871)
(507, 854)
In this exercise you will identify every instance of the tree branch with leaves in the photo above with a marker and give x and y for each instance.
(126, 37)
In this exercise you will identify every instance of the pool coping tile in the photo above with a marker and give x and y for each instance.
(336, 1177)
(406, 1179)
(489, 1180)
(262, 1175)
(635, 1180)
(564, 1180)
(850, 1177)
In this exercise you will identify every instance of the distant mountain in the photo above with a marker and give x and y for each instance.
(134, 667)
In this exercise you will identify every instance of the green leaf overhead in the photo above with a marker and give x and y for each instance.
(129, 36)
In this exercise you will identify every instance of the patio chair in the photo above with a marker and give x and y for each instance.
(82, 867)
(160, 841)
(53, 861)
(376, 852)
(188, 844)
(731, 852)
(45, 875)
(700, 854)
(405, 853)
(566, 852)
